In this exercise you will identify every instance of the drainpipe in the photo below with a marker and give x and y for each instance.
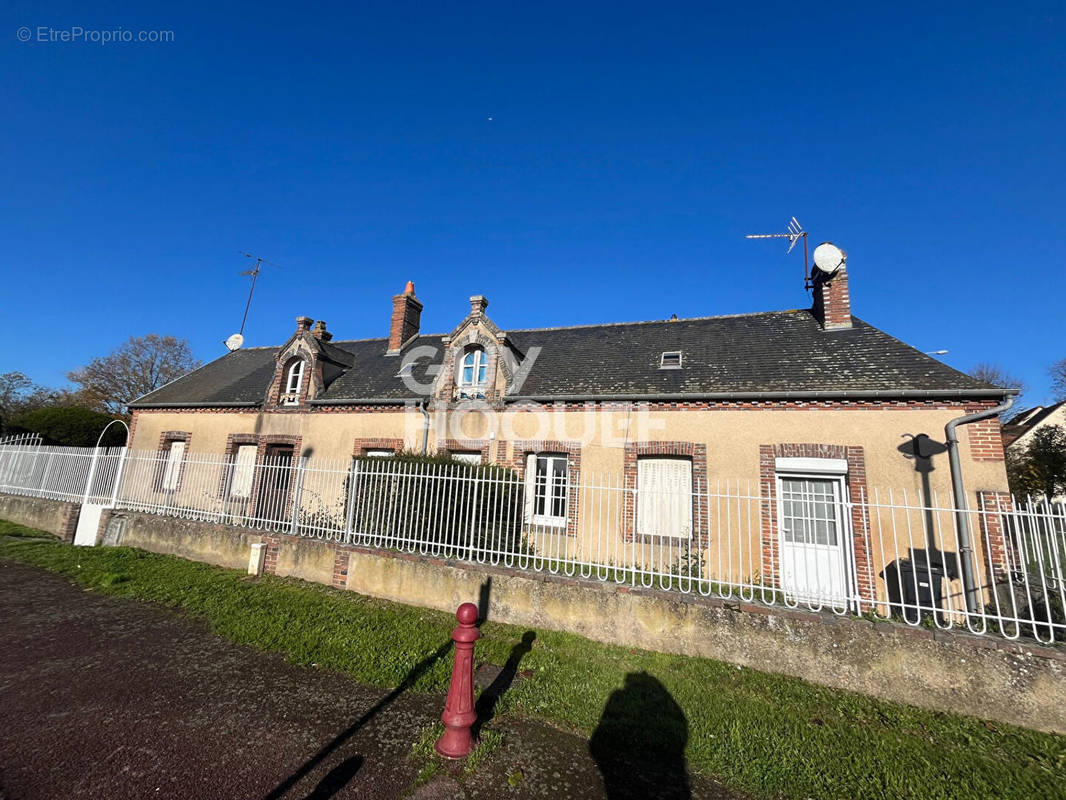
(969, 586)
(425, 425)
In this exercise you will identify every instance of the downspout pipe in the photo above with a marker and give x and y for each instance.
(969, 585)
(425, 425)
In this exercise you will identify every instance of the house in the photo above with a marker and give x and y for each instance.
(808, 411)
(1018, 432)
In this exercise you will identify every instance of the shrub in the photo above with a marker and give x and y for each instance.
(70, 426)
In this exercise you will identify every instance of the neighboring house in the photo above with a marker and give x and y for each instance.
(1019, 431)
(811, 408)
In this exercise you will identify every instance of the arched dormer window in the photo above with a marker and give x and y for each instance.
(294, 381)
(472, 369)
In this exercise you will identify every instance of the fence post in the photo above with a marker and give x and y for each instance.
(353, 479)
(473, 511)
(297, 495)
(92, 476)
(118, 476)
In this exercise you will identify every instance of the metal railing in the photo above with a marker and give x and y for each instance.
(60, 473)
(802, 543)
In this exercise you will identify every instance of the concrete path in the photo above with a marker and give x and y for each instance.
(113, 698)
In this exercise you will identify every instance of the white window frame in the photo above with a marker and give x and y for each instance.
(672, 353)
(467, 457)
(646, 498)
(292, 393)
(478, 367)
(378, 452)
(540, 489)
(242, 471)
(834, 470)
(172, 469)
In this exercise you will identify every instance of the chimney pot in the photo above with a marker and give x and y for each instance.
(303, 324)
(406, 315)
(478, 304)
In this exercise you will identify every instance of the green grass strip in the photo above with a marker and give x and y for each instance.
(765, 734)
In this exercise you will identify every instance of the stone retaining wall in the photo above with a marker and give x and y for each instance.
(57, 517)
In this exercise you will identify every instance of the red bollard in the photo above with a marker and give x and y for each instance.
(459, 712)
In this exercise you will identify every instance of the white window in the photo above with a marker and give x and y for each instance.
(172, 468)
(664, 497)
(243, 471)
(547, 489)
(293, 383)
(472, 371)
(378, 453)
(468, 457)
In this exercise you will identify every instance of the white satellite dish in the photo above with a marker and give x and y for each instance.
(828, 258)
(234, 342)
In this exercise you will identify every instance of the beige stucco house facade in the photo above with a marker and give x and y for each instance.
(807, 403)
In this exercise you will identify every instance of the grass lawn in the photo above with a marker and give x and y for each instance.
(764, 734)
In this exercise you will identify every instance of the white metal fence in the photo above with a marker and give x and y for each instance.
(60, 473)
(801, 543)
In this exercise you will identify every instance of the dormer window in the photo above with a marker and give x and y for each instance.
(671, 359)
(472, 372)
(294, 381)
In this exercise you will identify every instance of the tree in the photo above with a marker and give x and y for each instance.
(1041, 468)
(997, 376)
(70, 426)
(1058, 379)
(14, 387)
(141, 365)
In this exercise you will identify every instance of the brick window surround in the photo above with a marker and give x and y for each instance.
(523, 448)
(362, 445)
(233, 442)
(166, 439)
(697, 454)
(264, 442)
(855, 481)
(465, 446)
(281, 374)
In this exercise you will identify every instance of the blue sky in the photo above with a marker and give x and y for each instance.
(630, 148)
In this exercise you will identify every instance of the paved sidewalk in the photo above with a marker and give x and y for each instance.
(113, 698)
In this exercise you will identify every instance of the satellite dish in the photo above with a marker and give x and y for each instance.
(828, 258)
(234, 342)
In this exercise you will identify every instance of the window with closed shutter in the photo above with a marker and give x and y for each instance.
(172, 470)
(664, 497)
(243, 471)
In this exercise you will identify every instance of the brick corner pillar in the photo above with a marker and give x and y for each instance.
(992, 506)
(341, 561)
(68, 522)
(767, 515)
(270, 561)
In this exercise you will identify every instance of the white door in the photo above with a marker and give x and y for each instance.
(664, 497)
(813, 539)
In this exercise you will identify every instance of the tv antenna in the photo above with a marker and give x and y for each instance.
(794, 234)
(235, 341)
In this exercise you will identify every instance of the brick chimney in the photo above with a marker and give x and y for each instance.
(406, 313)
(832, 301)
(478, 304)
(303, 324)
(320, 332)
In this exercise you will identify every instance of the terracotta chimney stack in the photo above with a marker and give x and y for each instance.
(320, 332)
(478, 304)
(406, 313)
(303, 324)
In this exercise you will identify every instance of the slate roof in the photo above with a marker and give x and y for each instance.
(1025, 421)
(780, 352)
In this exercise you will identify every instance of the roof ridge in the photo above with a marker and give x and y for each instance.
(655, 321)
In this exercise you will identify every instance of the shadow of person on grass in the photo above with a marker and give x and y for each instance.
(409, 680)
(487, 700)
(639, 744)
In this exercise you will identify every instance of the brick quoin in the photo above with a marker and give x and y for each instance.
(993, 505)
(341, 560)
(986, 440)
(270, 559)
